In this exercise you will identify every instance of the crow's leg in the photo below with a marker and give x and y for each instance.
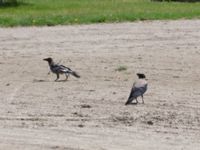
(57, 74)
(142, 99)
(67, 75)
(136, 100)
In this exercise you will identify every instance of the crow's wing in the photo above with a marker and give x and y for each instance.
(134, 91)
(65, 67)
(130, 98)
(60, 69)
(138, 89)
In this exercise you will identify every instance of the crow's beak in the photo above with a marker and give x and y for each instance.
(45, 59)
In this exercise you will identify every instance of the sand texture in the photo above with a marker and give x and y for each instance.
(37, 113)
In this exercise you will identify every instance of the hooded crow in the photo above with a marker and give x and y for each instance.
(138, 89)
(60, 69)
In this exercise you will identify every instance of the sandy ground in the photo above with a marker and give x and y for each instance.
(89, 113)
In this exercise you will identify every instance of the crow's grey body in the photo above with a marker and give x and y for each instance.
(60, 69)
(138, 89)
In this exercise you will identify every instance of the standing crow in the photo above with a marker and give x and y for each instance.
(60, 69)
(138, 89)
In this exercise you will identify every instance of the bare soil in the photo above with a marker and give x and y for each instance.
(89, 113)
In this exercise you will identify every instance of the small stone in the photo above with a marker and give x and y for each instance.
(80, 126)
(150, 122)
(85, 106)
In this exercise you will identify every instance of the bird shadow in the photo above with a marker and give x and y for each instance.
(40, 80)
(133, 103)
(61, 81)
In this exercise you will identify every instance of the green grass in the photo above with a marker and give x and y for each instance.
(121, 68)
(54, 12)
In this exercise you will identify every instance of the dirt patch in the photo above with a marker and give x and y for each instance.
(90, 113)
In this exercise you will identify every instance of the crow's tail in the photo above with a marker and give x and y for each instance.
(130, 99)
(75, 74)
(128, 102)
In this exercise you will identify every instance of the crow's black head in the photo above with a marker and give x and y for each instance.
(48, 59)
(141, 76)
